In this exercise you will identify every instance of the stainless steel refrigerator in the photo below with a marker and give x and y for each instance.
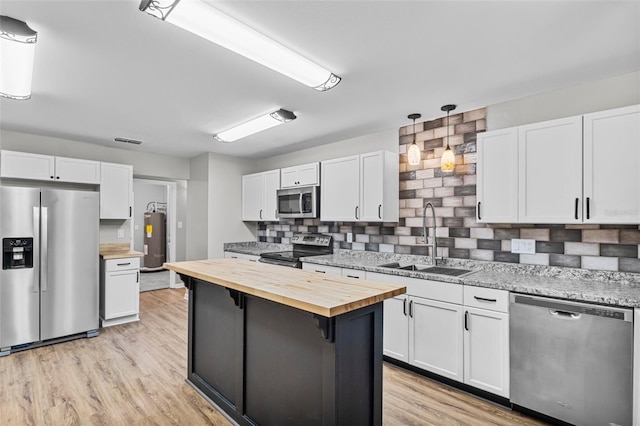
(49, 280)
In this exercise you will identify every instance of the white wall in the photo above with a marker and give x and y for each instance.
(197, 208)
(385, 140)
(619, 91)
(225, 203)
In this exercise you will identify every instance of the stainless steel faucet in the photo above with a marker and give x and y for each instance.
(434, 244)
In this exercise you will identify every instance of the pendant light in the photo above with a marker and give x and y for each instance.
(448, 160)
(414, 150)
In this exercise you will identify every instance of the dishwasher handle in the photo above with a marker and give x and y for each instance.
(563, 308)
(564, 314)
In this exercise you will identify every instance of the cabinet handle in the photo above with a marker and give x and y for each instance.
(411, 308)
(124, 264)
(379, 212)
(483, 299)
(479, 217)
(51, 177)
(576, 209)
(404, 307)
(466, 320)
(137, 277)
(260, 214)
(356, 212)
(321, 272)
(57, 177)
(588, 213)
(353, 276)
(130, 211)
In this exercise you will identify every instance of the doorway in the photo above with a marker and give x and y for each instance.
(154, 230)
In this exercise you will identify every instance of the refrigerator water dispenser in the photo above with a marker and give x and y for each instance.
(17, 253)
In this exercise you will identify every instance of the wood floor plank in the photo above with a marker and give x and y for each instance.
(134, 374)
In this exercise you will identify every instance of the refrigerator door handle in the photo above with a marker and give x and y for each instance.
(43, 249)
(36, 249)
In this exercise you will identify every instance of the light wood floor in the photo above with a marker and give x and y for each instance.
(134, 374)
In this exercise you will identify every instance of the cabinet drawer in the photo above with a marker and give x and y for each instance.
(324, 269)
(435, 290)
(354, 273)
(486, 298)
(122, 264)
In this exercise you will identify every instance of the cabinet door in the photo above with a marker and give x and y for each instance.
(550, 171)
(122, 294)
(308, 174)
(340, 189)
(395, 341)
(611, 172)
(497, 197)
(436, 337)
(252, 193)
(371, 186)
(289, 177)
(116, 185)
(486, 350)
(271, 186)
(76, 170)
(23, 165)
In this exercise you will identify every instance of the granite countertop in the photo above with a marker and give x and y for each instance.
(255, 248)
(118, 251)
(603, 287)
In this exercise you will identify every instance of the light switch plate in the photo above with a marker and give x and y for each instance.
(120, 233)
(523, 246)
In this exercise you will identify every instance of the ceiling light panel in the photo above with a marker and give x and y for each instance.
(256, 125)
(211, 24)
(17, 52)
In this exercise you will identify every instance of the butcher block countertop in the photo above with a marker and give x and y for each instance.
(320, 294)
(118, 251)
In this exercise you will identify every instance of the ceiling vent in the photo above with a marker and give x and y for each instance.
(131, 141)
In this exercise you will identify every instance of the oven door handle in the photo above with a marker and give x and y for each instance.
(278, 262)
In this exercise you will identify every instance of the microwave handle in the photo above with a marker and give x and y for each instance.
(300, 204)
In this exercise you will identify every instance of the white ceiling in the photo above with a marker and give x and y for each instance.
(104, 69)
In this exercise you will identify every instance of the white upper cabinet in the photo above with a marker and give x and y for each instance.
(340, 189)
(116, 187)
(550, 171)
(581, 169)
(611, 166)
(360, 188)
(497, 187)
(303, 175)
(76, 170)
(23, 165)
(259, 198)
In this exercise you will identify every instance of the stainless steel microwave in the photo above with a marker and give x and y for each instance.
(299, 202)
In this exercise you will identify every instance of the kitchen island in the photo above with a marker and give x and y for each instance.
(272, 345)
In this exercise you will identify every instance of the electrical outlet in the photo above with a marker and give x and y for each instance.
(349, 237)
(179, 224)
(120, 233)
(268, 232)
(523, 246)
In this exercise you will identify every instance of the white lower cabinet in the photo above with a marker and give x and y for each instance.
(119, 291)
(323, 269)
(458, 332)
(435, 337)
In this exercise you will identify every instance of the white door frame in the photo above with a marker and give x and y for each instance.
(171, 223)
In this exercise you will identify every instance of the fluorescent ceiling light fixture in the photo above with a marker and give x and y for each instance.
(211, 24)
(256, 125)
(17, 52)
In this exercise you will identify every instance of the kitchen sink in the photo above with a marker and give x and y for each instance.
(439, 270)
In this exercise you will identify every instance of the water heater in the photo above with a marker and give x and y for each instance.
(154, 240)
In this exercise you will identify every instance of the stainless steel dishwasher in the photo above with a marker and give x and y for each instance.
(571, 361)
